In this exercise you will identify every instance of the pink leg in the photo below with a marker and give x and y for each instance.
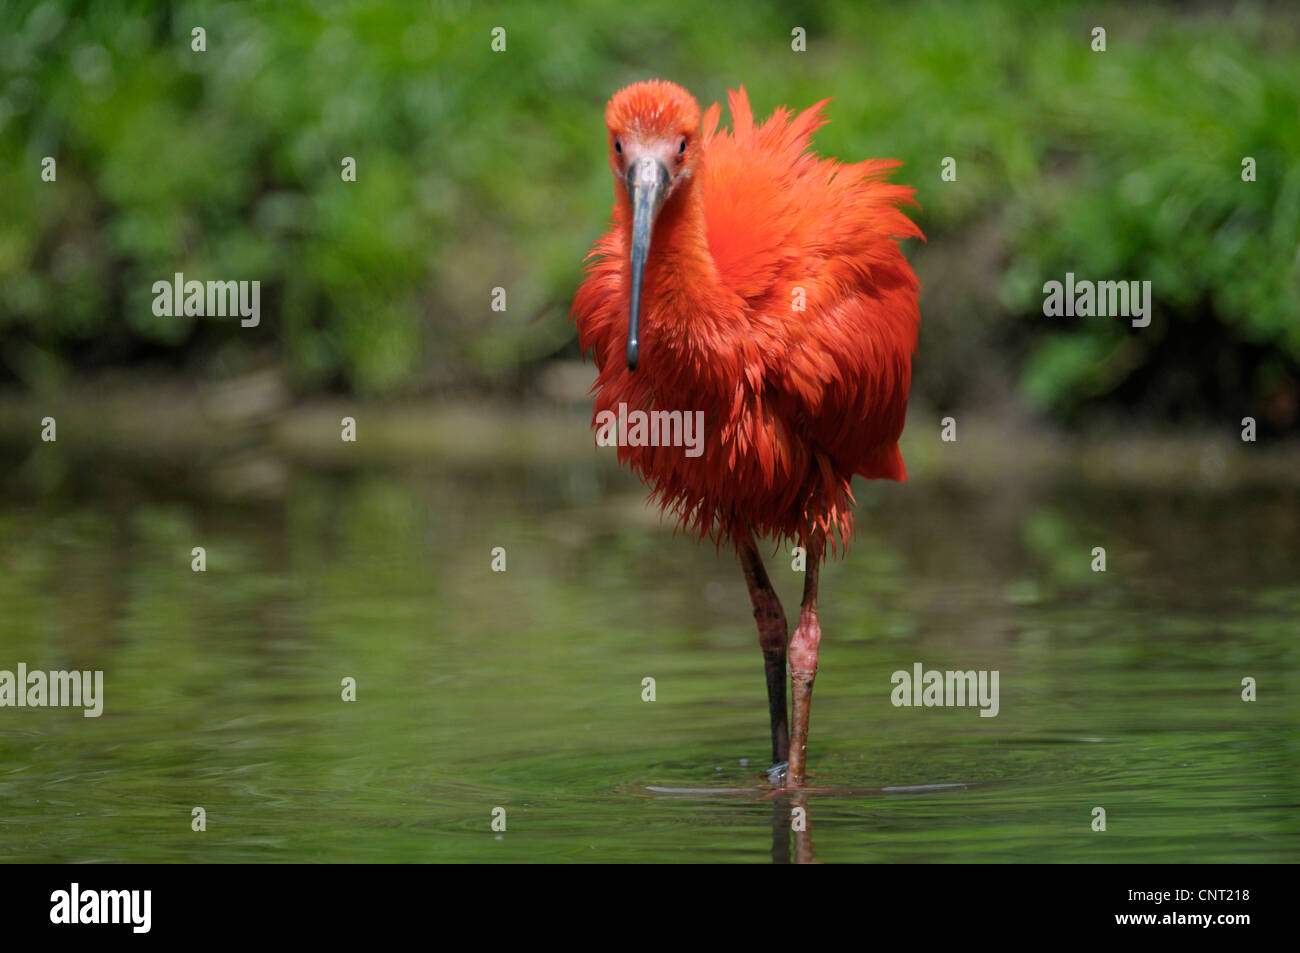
(770, 618)
(803, 670)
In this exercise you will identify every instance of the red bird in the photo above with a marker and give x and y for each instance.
(748, 278)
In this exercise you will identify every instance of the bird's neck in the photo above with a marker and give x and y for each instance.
(679, 247)
(682, 287)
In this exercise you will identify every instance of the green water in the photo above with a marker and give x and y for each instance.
(523, 690)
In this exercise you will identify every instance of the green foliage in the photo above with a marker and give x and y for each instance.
(478, 169)
(1154, 191)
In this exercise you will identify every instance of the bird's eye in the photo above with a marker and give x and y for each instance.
(618, 147)
(681, 147)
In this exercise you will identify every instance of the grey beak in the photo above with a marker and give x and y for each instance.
(647, 187)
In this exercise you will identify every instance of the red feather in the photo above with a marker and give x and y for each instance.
(796, 402)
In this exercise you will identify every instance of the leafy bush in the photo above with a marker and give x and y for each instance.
(479, 169)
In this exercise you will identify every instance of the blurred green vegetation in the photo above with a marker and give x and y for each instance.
(478, 169)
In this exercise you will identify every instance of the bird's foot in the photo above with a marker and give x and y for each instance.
(776, 774)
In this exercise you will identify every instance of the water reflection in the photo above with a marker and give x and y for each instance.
(523, 689)
(792, 823)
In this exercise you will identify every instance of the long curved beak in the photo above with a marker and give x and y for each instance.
(647, 186)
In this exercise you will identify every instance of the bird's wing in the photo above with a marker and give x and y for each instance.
(602, 324)
(810, 244)
(753, 202)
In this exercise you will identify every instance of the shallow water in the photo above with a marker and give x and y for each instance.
(523, 689)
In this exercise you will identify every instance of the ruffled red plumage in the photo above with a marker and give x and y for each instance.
(796, 402)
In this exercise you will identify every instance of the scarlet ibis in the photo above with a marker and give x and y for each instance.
(746, 277)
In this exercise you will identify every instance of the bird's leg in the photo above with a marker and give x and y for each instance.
(803, 667)
(770, 618)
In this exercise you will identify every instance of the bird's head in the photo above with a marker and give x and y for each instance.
(654, 146)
